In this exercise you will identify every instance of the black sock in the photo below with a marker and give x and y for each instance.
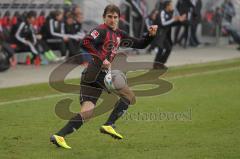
(73, 124)
(120, 107)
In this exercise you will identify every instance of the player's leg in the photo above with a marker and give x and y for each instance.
(168, 49)
(157, 58)
(186, 35)
(73, 124)
(77, 121)
(176, 34)
(88, 98)
(46, 51)
(127, 97)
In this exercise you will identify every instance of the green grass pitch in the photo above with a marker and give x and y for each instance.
(209, 92)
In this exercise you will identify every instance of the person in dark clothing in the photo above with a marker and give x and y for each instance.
(228, 10)
(125, 19)
(7, 58)
(53, 32)
(195, 20)
(159, 5)
(4, 60)
(74, 32)
(151, 20)
(80, 33)
(23, 35)
(229, 13)
(73, 42)
(139, 10)
(102, 43)
(6, 50)
(167, 21)
(233, 33)
(183, 7)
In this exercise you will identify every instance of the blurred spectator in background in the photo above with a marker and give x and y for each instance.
(218, 23)
(139, 8)
(151, 20)
(164, 41)
(4, 59)
(138, 15)
(15, 19)
(228, 10)
(232, 32)
(23, 35)
(208, 25)
(41, 19)
(159, 5)
(76, 10)
(6, 20)
(124, 22)
(78, 25)
(7, 58)
(73, 43)
(23, 16)
(53, 32)
(195, 20)
(79, 18)
(184, 7)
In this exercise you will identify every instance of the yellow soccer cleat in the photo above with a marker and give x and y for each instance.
(107, 129)
(59, 141)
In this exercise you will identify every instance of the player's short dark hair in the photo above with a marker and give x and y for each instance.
(57, 13)
(69, 15)
(111, 8)
(31, 14)
(166, 3)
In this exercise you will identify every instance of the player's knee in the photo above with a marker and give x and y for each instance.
(131, 98)
(87, 110)
(128, 94)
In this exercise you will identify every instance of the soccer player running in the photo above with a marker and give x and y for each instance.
(102, 43)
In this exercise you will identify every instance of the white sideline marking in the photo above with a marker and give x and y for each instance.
(203, 73)
(62, 95)
(33, 99)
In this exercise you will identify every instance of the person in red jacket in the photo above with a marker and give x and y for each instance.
(6, 21)
(41, 19)
(102, 43)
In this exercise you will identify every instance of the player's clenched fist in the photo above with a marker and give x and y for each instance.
(153, 30)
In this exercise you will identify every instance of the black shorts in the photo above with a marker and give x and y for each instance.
(92, 84)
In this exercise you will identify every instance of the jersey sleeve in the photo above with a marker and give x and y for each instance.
(138, 43)
(18, 33)
(93, 40)
(164, 21)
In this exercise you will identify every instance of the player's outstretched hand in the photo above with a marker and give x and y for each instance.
(153, 30)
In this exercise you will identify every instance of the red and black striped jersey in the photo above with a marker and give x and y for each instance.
(104, 42)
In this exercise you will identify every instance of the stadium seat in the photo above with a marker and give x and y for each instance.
(15, 5)
(57, 6)
(24, 6)
(41, 6)
(5, 5)
(32, 6)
